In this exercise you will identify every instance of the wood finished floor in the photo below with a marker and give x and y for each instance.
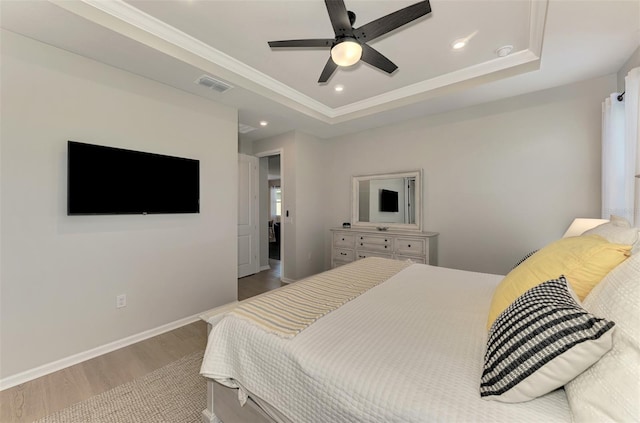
(260, 282)
(40, 397)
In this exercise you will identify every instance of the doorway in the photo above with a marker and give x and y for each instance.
(275, 206)
(271, 189)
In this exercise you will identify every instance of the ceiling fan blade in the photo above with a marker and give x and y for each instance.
(394, 20)
(339, 17)
(321, 42)
(328, 70)
(376, 59)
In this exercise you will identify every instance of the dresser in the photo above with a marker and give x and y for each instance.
(348, 245)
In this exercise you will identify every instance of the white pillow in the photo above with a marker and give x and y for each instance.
(617, 231)
(609, 391)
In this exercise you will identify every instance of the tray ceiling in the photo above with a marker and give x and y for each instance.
(177, 41)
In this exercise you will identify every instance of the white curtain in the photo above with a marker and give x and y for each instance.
(621, 152)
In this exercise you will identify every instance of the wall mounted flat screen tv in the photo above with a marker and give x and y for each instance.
(388, 200)
(107, 180)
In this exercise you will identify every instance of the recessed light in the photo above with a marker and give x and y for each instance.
(504, 51)
(458, 44)
(461, 43)
(339, 88)
(263, 123)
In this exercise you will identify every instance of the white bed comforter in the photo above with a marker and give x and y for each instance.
(408, 350)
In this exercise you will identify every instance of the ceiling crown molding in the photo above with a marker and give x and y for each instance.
(526, 60)
(141, 20)
(250, 78)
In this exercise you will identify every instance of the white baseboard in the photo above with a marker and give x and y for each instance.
(209, 417)
(287, 280)
(267, 267)
(54, 366)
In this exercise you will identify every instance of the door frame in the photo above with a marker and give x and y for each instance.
(276, 152)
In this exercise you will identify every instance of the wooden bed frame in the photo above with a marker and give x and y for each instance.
(227, 407)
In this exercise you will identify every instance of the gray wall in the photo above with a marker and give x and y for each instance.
(61, 274)
(313, 198)
(633, 62)
(500, 179)
(305, 196)
(286, 143)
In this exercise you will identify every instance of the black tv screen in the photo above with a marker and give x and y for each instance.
(107, 180)
(388, 200)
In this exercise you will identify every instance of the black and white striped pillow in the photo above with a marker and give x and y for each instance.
(541, 341)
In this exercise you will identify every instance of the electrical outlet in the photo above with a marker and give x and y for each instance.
(121, 301)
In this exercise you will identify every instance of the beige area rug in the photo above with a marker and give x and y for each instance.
(174, 393)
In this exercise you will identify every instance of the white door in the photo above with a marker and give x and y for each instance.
(247, 215)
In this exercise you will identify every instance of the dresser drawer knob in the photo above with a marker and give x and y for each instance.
(361, 244)
(343, 240)
(385, 246)
(343, 254)
(409, 245)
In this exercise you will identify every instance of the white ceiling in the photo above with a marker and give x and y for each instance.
(177, 41)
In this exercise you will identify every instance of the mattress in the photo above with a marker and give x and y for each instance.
(407, 350)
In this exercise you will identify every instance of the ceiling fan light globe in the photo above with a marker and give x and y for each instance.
(346, 53)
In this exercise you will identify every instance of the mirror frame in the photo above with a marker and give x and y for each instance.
(355, 204)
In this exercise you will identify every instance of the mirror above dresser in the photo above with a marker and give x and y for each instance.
(387, 201)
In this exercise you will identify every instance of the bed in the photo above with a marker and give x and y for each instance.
(408, 349)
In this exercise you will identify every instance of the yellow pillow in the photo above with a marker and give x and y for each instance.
(583, 260)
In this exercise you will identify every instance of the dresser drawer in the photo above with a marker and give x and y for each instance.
(343, 255)
(374, 243)
(411, 246)
(348, 245)
(345, 240)
(365, 254)
(374, 239)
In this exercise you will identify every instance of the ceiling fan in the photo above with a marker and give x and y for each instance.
(350, 44)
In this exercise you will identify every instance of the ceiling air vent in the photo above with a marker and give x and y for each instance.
(214, 84)
(245, 129)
